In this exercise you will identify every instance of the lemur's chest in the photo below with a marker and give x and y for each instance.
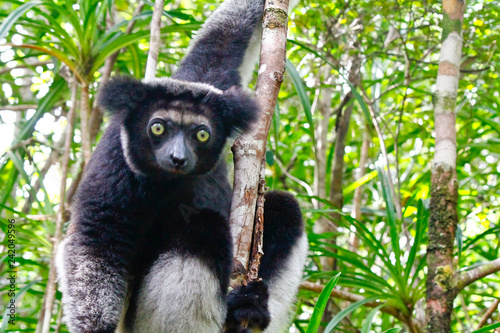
(180, 293)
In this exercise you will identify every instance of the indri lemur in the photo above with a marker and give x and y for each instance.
(149, 247)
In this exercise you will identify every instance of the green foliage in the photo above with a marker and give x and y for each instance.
(320, 306)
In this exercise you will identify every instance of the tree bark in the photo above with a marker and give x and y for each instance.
(84, 122)
(441, 290)
(155, 40)
(249, 149)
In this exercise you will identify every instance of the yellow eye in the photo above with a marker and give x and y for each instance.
(157, 129)
(202, 136)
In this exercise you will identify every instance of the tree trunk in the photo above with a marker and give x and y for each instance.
(441, 290)
(249, 149)
(154, 41)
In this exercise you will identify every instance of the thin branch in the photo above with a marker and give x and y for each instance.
(258, 234)
(35, 64)
(84, 122)
(18, 108)
(51, 160)
(469, 277)
(51, 283)
(155, 40)
(351, 297)
(302, 183)
(488, 313)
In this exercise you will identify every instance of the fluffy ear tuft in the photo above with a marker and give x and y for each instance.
(240, 110)
(122, 94)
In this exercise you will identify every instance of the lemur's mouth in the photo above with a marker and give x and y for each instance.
(177, 171)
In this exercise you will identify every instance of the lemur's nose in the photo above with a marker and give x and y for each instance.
(178, 162)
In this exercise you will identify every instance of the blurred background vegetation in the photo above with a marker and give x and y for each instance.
(364, 189)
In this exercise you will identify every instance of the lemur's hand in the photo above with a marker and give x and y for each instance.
(247, 308)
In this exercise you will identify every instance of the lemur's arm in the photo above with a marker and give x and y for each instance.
(93, 260)
(266, 305)
(225, 50)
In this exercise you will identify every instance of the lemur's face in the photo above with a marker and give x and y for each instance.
(175, 128)
(173, 137)
(184, 141)
(178, 139)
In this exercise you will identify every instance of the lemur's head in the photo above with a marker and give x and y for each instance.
(172, 127)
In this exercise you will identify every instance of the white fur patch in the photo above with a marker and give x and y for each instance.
(251, 57)
(61, 271)
(179, 295)
(180, 117)
(283, 288)
(179, 86)
(124, 142)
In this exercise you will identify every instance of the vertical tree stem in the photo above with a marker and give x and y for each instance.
(249, 149)
(441, 290)
(258, 234)
(155, 40)
(84, 122)
(51, 283)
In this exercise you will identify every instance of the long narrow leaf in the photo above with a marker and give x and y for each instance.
(301, 91)
(391, 217)
(369, 319)
(14, 16)
(422, 214)
(488, 328)
(6, 316)
(321, 305)
(45, 105)
(394, 330)
(342, 314)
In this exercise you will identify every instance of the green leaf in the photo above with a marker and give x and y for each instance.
(361, 181)
(394, 330)
(342, 314)
(136, 62)
(321, 305)
(276, 122)
(14, 16)
(391, 218)
(488, 328)
(116, 43)
(460, 243)
(6, 317)
(45, 105)
(304, 99)
(422, 217)
(369, 319)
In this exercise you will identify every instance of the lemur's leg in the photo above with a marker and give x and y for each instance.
(93, 261)
(93, 286)
(226, 49)
(285, 249)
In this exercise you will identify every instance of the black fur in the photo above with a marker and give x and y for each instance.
(282, 226)
(219, 51)
(132, 206)
(248, 303)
